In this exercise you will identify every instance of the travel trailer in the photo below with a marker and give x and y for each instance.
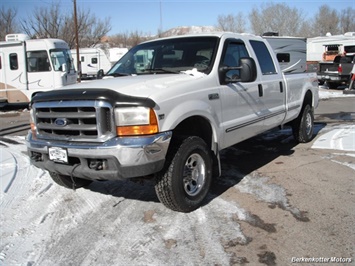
(291, 52)
(28, 66)
(116, 53)
(326, 48)
(92, 60)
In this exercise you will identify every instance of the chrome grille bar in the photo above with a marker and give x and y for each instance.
(74, 120)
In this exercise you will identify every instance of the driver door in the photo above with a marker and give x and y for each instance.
(241, 102)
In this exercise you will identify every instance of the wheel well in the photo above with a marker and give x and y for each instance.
(308, 99)
(199, 126)
(195, 126)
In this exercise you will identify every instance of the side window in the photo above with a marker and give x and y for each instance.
(283, 58)
(94, 60)
(233, 52)
(82, 59)
(13, 61)
(265, 60)
(38, 61)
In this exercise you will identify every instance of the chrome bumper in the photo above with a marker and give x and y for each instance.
(118, 158)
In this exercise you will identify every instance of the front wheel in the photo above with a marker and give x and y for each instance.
(67, 182)
(185, 180)
(303, 125)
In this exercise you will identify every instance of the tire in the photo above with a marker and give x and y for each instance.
(303, 126)
(185, 180)
(332, 85)
(67, 182)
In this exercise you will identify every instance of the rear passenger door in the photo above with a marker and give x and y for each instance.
(271, 87)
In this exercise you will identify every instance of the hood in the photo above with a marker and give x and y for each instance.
(140, 85)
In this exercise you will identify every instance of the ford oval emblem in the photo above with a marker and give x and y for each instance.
(61, 122)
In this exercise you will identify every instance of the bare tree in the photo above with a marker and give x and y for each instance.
(347, 20)
(52, 22)
(306, 29)
(44, 22)
(326, 20)
(8, 22)
(276, 18)
(90, 29)
(231, 23)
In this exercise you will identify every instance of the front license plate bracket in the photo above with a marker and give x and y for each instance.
(58, 154)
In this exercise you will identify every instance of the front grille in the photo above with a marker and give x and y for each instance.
(74, 120)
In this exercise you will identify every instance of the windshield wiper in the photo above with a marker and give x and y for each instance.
(161, 70)
(118, 74)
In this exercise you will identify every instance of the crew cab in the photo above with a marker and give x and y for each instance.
(167, 108)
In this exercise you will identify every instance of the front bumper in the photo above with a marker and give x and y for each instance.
(118, 158)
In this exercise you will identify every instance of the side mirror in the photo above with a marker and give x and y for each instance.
(247, 72)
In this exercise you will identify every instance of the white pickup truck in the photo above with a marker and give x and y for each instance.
(167, 108)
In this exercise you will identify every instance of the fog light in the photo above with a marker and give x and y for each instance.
(96, 164)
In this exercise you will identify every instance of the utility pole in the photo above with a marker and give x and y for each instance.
(161, 20)
(78, 65)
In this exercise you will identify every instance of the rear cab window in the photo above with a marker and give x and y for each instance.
(263, 55)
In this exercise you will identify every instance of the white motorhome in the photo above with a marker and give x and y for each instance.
(291, 52)
(325, 48)
(91, 60)
(28, 66)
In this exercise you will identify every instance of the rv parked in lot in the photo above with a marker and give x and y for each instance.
(115, 54)
(28, 66)
(326, 48)
(291, 52)
(92, 60)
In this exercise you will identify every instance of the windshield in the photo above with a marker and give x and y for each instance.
(60, 57)
(168, 56)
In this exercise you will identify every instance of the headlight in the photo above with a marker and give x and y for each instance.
(32, 123)
(135, 121)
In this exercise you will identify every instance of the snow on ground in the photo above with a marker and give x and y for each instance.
(122, 223)
(325, 93)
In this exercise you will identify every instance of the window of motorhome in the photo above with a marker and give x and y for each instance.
(13, 61)
(94, 60)
(38, 61)
(349, 49)
(82, 59)
(283, 57)
(61, 57)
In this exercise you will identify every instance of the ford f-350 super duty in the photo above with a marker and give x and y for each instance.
(167, 108)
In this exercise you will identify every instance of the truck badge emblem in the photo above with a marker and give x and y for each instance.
(61, 122)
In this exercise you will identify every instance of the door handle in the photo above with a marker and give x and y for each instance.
(261, 92)
(281, 87)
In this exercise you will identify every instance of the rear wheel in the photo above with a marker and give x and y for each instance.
(303, 125)
(67, 182)
(185, 180)
(332, 85)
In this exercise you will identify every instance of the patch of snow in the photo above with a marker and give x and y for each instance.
(327, 94)
(337, 139)
(194, 72)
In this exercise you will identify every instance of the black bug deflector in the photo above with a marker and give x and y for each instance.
(116, 99)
